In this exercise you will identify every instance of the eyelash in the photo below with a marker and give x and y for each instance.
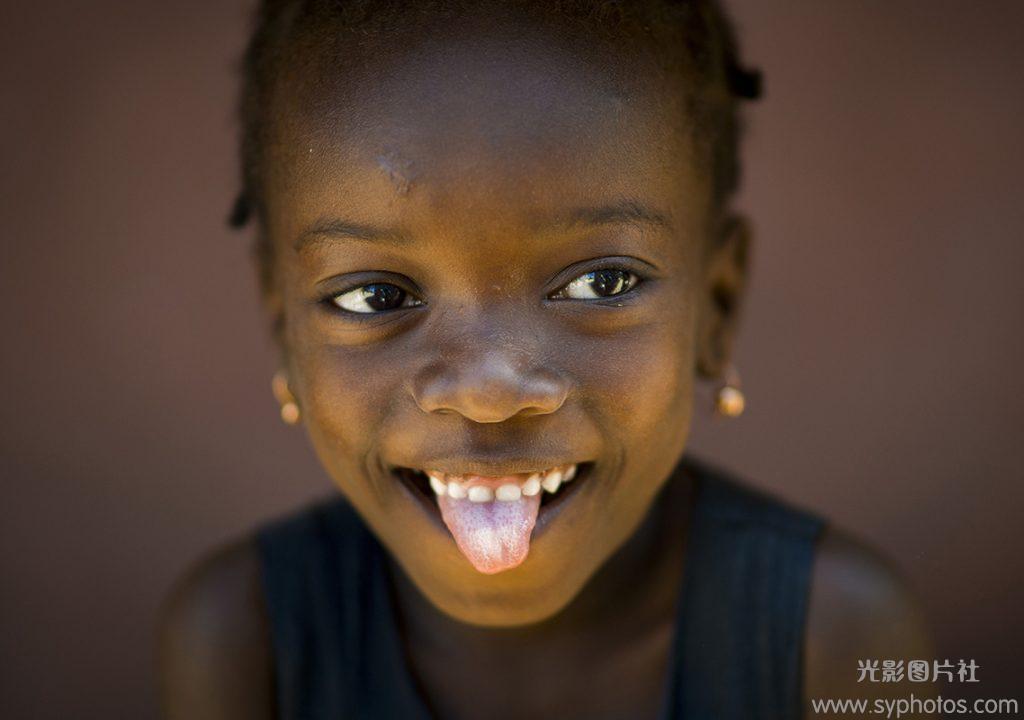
(629, 278)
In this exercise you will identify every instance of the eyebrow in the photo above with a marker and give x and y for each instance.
(327, 229)
(623, 211)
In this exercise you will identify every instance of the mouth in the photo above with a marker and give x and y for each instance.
(554, 485)
(493, 517)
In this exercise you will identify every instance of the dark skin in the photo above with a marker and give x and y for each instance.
(480, 175)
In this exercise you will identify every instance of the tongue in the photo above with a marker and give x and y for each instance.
(494, 536)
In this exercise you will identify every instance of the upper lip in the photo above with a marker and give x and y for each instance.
(489, 467)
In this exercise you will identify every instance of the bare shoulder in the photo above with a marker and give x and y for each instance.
(861, 609)
(214, 649)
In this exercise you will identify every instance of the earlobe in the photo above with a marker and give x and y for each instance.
(725, 280)
(290, 413)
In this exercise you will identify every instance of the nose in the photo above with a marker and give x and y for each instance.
(489, 386)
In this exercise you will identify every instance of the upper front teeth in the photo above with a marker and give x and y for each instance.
(479, 494)
(508, 492)
(551, 480)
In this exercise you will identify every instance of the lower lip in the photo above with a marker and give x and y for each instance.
(549, 509)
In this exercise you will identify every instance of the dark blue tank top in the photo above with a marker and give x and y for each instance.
(738, 648)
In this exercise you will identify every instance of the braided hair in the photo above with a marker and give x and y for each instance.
(695, 33)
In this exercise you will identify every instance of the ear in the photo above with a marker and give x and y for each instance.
(269, 287)
(279, 387)
(725, 280)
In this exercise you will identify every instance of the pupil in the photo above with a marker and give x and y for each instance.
(384, 297)
(609, 282)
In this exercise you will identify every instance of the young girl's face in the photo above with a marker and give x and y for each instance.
(490, 261)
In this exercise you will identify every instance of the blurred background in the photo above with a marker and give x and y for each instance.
(881, 353)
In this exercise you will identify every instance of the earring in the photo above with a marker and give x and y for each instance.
(289, 408)
(729, 399)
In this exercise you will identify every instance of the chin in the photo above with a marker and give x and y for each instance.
(515, 598)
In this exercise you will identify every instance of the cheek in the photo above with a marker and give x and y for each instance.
(641, 380)
(344, 395)
(644, 390)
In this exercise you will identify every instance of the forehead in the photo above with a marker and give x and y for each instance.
(473, 121)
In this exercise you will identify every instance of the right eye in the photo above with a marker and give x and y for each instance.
(374, 298)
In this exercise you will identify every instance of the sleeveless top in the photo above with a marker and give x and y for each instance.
(737, 651)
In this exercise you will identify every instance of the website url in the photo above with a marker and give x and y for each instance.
(900, 707)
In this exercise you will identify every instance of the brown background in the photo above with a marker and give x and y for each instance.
(882, 347)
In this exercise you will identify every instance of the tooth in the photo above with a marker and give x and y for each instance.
(532, 485)
(570, 473)
(508, 492)
(552, 480)
(456, 490)
(437, 484)
(480, 494)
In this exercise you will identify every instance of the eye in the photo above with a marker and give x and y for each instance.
(374, 298)
(603, 283)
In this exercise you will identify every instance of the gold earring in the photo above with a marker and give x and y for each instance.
(289, 408)
(729, 399)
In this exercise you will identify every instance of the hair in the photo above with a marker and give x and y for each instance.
(696, 33)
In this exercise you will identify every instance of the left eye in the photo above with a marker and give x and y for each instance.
(603, 283)
(373, 298)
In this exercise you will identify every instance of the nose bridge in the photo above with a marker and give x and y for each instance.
(490, 367)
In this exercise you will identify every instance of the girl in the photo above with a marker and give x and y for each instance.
(497, 247)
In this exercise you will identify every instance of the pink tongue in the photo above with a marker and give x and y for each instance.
(494, 536)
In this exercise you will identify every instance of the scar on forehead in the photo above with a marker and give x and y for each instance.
(399, 171)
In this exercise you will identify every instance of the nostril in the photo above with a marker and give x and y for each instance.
(485, 403)
(488, 392)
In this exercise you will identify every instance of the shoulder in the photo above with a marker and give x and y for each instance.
(214, 640)
(861, 609)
